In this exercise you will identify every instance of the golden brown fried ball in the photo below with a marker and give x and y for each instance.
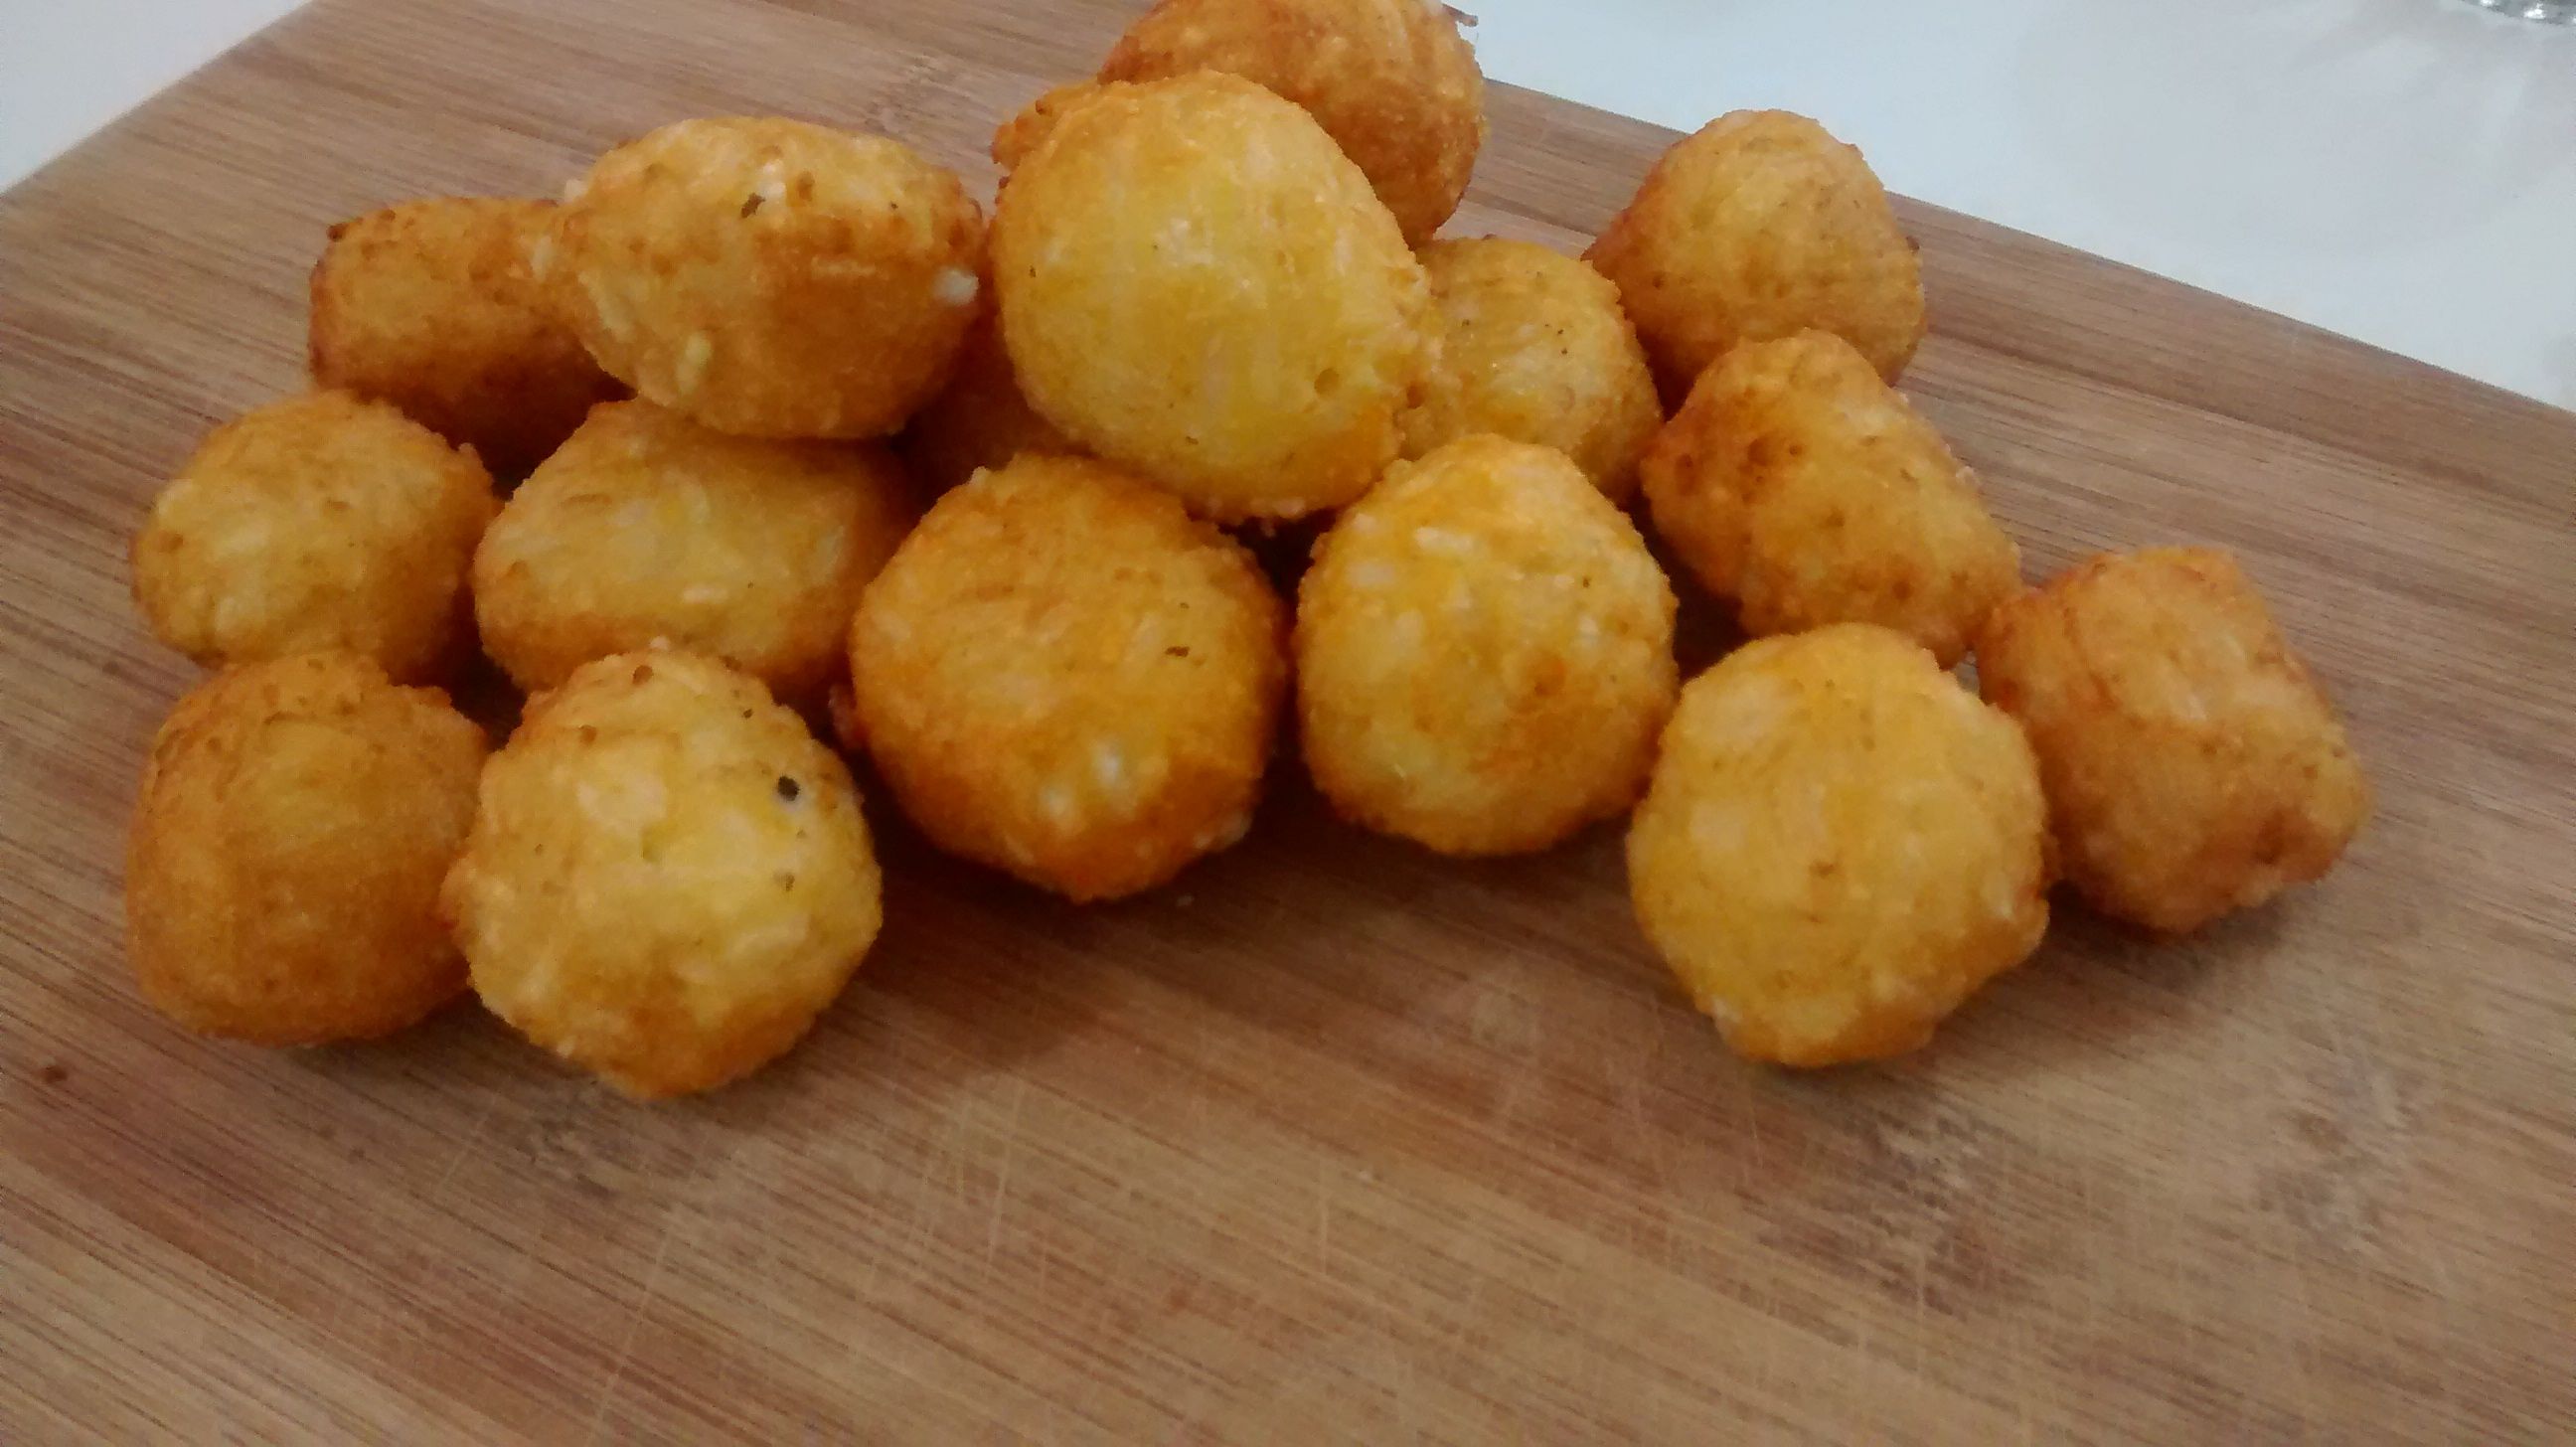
(281, 880)
(1840, 845)
(2193, 767)
(1799, 486)
(1391, 81)
(430, 306)
(768, 277)
(668, 878)
(981, 420)
(1758, 226)
(1484, 652)
(1020, 135)
(1534, 347)
(1063, 676)
(647, 529)
(320, 522)
(1196, 284)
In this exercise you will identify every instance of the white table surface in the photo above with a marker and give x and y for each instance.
(2402, 171)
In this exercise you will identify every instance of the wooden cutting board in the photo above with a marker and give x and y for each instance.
(1332, 1139)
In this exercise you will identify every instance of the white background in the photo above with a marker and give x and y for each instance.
(2403, 171)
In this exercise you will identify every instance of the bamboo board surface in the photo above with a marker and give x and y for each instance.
(1332, 1139)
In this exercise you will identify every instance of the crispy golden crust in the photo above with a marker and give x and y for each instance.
(281, 877)
(980, 420)
(1019, 135)
(1393, 82)
(1758, 226)
(2193, 767)
(1063, 676)
(317, 523)
(841, 716)
(648, 529)
(770, 278)
(1196, 284)
(1839, 846)
(668, 878)
(1799, 486)
(1534, 347)
(1484, 652)
(430, 306)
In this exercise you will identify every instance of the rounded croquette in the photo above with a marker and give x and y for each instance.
(1760, 225)
(769, 277)
(1015, 138)
(1534, 347)
(1484, 652)
(1064, 676)
(431, 306)
(668, 879)
(1801, 488)
(2193, 766)
(282, 874)
(981, 419)
(1393, 82)
(647, 529)
(1840, 845)
(1197, 285)
(317, 523)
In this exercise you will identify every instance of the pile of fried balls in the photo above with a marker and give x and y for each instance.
(805, 448)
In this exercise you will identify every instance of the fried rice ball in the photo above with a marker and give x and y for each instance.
(647, 529)
(1065, 677)
(668, 879)
(981, 420)
(430, 306)
(2193, 766)
(1758, 226)
(1534, 347)
(1840, 845)
(1797, 485)
(768, 277)
(1484, 653)
(1197, 285)
(319, 522)
(1020, 135)
(281, 879)
(1393, 82)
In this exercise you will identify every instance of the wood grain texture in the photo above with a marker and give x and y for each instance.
(1332, 1140)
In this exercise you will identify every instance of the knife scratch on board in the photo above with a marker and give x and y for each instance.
(634, 1323)
(1002, 1173)
(466, 1143)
